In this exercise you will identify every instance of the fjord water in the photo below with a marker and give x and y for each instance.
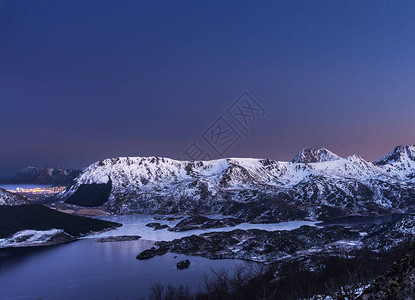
(87, 269)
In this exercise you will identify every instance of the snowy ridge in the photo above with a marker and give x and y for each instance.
(353, 166)
(155, 184)
(29, 238)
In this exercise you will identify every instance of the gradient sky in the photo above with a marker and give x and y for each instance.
(84, 80)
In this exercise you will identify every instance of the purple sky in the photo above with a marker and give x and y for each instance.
(85, 80)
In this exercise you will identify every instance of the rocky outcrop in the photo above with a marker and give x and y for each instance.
(157, 226)
(270, 246)
(149, 253)
(121, 238)
(184, 264)
(201, 222)
(256, 245)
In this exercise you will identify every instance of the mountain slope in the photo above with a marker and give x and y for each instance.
(401, 161)
(253, 189)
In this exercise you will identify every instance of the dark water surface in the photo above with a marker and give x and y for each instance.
(86, 269)
(360, 220)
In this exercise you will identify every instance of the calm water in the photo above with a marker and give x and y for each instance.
(360, 220)
(87, 269)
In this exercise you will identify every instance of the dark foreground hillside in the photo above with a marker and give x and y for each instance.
(398, 283)
(38, 217)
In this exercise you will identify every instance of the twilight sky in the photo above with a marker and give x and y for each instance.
(84, 80)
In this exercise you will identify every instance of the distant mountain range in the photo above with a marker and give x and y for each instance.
(47, 175)
(317, 184)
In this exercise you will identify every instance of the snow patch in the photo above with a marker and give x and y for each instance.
(28, 238)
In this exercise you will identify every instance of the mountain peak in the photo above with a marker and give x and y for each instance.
(399, 154)
(313, 155)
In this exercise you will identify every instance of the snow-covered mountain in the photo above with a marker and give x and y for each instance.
(400, 161)
(317, 184)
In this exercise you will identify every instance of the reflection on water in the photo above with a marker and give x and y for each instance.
(87, 269)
